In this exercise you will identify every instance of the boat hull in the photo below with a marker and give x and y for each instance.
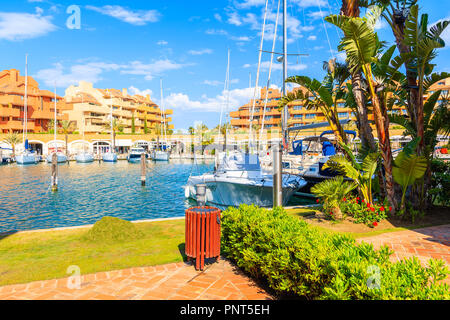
(161, 156)
(26, 159)
(84, 158)
(109, 157)
(135, 158)
(61, 158)
(235, 193)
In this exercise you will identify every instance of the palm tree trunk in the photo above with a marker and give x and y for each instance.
(350, 8)
(382, 124)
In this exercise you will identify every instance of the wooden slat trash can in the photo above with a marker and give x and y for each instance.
(202, 234)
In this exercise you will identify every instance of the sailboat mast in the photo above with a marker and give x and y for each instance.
(162, 115)
(25, 105)
(111, 114)
(55, 126)
(285, 109)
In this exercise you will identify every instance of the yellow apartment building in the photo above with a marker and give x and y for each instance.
(40, 103)
(91, 109)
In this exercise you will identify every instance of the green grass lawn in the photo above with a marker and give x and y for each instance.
(304, 212)
(31, 256)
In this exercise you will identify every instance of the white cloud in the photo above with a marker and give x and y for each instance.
(241, 38)
(162, 43)
(92, 71)
(317, 14)
(247, 65)
(181, 101)
(279, 66)
(150, 70)
(312, 38)
(138, 17)
(200, 52)
(20, 26)
(220, 32)
(213, 83)
(234, 19)
(381, 24)
(133, 90)
(218, 17)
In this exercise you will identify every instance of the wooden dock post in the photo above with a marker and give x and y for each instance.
(54, 172)
(143, 167)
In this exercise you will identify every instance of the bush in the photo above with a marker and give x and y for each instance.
(440, 182)
(111, 229)
(296, 258)
(363, 212)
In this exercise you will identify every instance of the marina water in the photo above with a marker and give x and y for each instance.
(88, 192)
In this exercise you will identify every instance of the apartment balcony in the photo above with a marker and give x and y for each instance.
(12, 125)
(14, 100)
(168, 111)
(9, 112)
(242, 122)
(171, 126)
(169, 119)
(234, 114)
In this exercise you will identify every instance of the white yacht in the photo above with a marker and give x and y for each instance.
(84, 157)
(135, 154)
(26, 157)
(61, 157)
(159, 155)
(239, 179)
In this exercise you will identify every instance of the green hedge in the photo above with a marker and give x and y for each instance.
(296, 258)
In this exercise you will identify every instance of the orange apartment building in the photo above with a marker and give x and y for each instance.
(298, 114)
(40, 104)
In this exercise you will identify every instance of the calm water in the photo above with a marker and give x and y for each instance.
(87, 192)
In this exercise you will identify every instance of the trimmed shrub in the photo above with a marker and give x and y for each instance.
(296, 258)
(111, 229)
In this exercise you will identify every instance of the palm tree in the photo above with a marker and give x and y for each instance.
(361, 44)
(201, 129)
(323, 96)
(191, 131)
(223, 130)
(67, 127)
(417, 44)
(350, 8)
(13, 139)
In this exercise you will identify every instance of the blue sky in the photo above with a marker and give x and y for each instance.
(132, 44)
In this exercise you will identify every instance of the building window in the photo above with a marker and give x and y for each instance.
(298, 116)
(298, 107)
(342, 114)
(310, 116)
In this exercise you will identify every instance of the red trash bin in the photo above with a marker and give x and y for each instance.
(202, 234)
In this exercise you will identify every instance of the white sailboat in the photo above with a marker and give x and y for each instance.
(26, 157)
(84, 156)
(61, 157)
(163, 154)
(111, 155)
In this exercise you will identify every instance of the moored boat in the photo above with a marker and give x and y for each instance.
(238, 180)
(135, 154)
(84, 157)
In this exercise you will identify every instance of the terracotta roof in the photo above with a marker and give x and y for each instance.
(85, 97)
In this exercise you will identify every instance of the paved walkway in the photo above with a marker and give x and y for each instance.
(426, 243)
(218, 281)
(177, 281)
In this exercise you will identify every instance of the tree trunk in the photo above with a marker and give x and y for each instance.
(382, 124)
(350, 8)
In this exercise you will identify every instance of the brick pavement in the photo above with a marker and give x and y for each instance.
(177, 281)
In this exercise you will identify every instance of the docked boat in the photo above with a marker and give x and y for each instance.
(60, 158)
(84, 157)
(159, 155)
(135, 154)
(26, 157)
(239, 179)
(109, 157)
(308, 157)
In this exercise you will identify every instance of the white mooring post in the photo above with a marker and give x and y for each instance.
(200, 194)
(143, 167)
(54, 172)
